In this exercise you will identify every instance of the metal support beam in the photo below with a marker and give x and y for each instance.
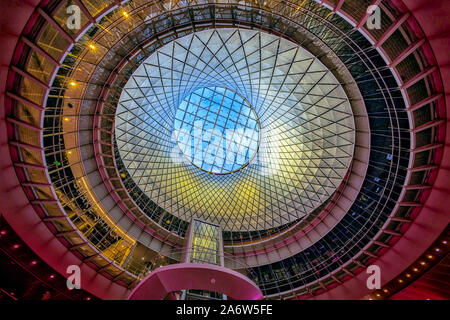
(56, 25)
(36, 184)
(87, 259)
(39, 201)
(336, 279)
(323, 286)
(370, 254)
(29, 166)
(119, 275)
(381, 244)
(410, 204)
(24, 101)
(25, 145)
(338, 6)
(422, 75)
(55, 218)
(64, 233)
(402, 56)
(40, 51)
(85, 10)
(30, 77)
(428, 125)
(418, 187)
(360, 264)
(78, 246)
(399, 219)
(426, 101)
(428, 147)
(23, 124)
(424, 168)
(348, 272)
(105, 266)
(393, 233)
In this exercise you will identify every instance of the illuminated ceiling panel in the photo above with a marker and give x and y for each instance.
(305, 127)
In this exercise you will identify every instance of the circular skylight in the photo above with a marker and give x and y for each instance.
(306, 131)
(217, 130)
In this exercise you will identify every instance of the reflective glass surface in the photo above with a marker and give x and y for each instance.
(217, 130)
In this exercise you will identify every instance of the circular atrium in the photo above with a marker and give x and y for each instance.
(213, 150)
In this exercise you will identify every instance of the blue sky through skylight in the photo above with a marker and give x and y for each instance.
(217, 130)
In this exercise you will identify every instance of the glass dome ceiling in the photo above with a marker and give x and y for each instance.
(303, 118)
(217, 130)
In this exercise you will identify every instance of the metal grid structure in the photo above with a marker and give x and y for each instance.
(403, 48)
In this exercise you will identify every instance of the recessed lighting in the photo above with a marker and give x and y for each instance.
(444, 242)
(16, 246)
(430, 256)
(408, 275)
(52, 276)
(416, 270)
(422, 263)
(400, 280)
(92, 46)
(33, 262)
(385, 291)
(73, 83)
(3, 232)
(125, 14)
